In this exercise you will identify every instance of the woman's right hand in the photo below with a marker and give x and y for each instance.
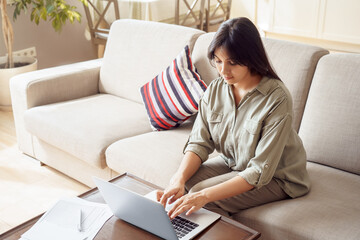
(174, 191)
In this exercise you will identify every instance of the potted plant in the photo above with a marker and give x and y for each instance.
(56, 11)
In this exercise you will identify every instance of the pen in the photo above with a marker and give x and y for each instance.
(80, 222)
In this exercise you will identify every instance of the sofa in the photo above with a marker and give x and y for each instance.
(88, 119)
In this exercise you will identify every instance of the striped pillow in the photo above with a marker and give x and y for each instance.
(173, 95)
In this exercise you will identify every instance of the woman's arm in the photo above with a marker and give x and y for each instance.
(176, 189)
(229, 188)
(194, 201)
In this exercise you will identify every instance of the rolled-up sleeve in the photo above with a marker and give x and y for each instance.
(261, 168)
(200, 141)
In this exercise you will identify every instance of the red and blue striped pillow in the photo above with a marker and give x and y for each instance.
(173, 95)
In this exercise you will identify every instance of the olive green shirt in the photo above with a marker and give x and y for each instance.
(255, 138)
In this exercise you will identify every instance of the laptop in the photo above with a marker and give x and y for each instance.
(150, 215)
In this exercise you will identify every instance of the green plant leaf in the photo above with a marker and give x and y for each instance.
(56, 11)
(43, 13)
(50, 8)
(77, 15)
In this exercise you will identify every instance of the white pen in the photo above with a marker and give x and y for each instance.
(80, 222)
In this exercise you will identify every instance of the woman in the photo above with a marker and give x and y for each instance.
(246, 115)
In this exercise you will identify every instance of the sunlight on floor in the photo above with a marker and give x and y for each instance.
(28, 189)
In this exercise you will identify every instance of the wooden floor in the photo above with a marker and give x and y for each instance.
(26, 188)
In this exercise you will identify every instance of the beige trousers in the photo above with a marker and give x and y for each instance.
(214, 171)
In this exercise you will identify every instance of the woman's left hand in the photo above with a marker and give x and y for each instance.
(190, 202)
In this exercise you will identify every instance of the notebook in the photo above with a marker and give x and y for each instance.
(150, 215)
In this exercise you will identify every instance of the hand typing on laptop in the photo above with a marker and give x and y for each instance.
(188, 203)
(173, 192)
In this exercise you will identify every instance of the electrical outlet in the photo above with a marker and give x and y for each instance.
(28, 52)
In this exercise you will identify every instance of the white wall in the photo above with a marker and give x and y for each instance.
(243, 8)
(330, 24)
(52, 48)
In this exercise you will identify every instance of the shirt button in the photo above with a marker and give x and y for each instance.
(266, 166)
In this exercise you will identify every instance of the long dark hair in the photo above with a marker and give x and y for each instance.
(242, 41)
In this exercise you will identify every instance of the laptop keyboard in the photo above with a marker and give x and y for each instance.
(183, 226)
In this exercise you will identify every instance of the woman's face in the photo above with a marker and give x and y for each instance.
(232, 72)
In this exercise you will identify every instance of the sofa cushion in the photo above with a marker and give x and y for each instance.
(137, 51)
(159, 158)
(295, 64)
(160, 155)
(85, 127)
(173, 95)
(330, 128)
(330, 211)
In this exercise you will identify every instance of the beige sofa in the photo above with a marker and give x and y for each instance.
(88, 119)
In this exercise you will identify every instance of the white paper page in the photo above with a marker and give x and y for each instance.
(48, 230)
(62, 220)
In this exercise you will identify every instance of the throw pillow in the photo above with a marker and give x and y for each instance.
(173, 95)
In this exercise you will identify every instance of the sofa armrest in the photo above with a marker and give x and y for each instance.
(48, 86)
